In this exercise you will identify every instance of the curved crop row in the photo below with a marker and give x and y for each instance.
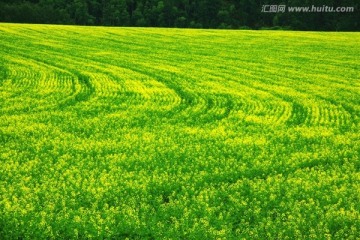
(111, 72)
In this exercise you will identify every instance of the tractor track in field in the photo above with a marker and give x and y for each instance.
(244, 90)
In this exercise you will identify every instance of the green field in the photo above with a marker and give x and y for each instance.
(145, 133)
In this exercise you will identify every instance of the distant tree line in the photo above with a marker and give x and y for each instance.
(225, 14)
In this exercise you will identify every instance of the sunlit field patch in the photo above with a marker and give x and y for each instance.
(145, 133)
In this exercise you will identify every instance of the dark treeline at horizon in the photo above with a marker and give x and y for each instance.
(223, 14)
